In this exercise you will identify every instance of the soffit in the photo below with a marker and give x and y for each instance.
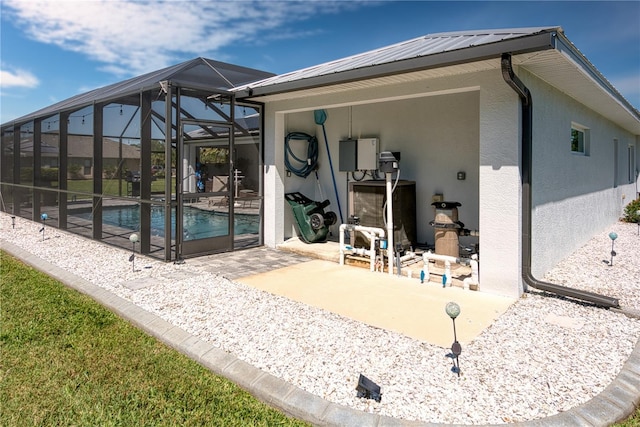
(560, 71)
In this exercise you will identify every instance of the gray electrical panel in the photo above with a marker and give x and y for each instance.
(348, 155)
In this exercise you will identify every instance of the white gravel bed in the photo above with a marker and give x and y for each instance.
(543, 356)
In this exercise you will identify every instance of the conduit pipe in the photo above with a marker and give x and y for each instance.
(370, 232)
(527, 165)
(473, 280)
(437, 257)
(409, 256)
(390, 243)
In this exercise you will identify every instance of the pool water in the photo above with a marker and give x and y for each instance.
(198, 224)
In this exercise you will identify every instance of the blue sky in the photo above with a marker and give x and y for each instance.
(52, 50)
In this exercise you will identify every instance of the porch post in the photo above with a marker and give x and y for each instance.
(500, 190)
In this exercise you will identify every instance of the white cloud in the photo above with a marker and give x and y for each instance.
(17, 78)
(134, 37)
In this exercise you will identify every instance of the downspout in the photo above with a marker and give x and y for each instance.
(527, 166)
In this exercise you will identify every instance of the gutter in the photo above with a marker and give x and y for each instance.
(527, 165)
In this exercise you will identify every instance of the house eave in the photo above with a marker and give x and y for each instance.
(519, 45)
(567, 70)
(549, 56)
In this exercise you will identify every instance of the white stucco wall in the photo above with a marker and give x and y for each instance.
(574, 196)
(437, 136)
(273, 216)
(500, 188)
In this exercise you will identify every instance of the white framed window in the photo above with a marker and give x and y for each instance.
(579, 139)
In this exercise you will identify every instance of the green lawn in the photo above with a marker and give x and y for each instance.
(68, 361)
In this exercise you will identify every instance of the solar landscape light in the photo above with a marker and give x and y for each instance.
(453, 310)
(368, 389)
(613, 236)
(13, 221)
(43, 217)
(133, 239)
(638, 217)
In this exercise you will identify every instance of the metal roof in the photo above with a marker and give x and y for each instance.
(199, 73)
(378, 61)
(544, 51)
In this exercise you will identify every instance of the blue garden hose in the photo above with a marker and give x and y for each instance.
(304, 166)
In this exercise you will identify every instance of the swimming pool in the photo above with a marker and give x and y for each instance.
(198, 223)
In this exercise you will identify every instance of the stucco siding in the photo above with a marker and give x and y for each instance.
(500, 189)
(273, 179)
(574, 196)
